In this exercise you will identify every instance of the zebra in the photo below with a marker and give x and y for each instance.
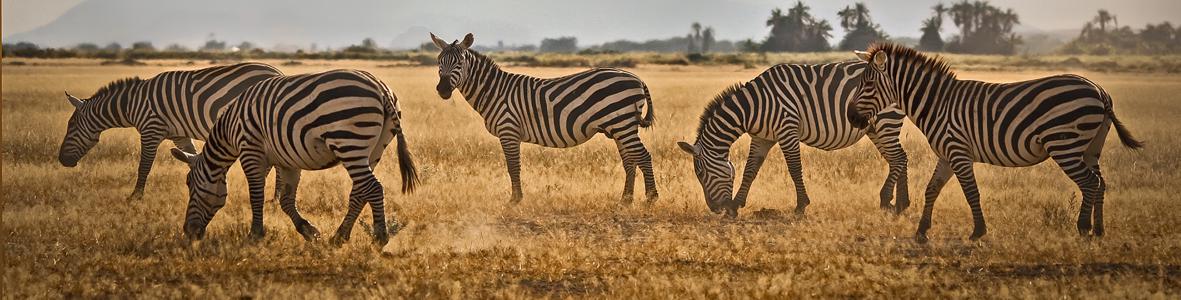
(1018, 124)
(559, 112)
(175, 105)
(300, 122)
(789, 104)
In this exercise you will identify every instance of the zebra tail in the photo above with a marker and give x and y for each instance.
(406, 165)
(649, 118)
(1125, 136)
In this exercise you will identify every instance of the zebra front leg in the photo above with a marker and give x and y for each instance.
(512, 158)
(286, 186)
(255, 166)
(938, 180)
(754, 161)
(962, 167)
(185, 144)
(148, 143)
(885, 139)
(791, 152)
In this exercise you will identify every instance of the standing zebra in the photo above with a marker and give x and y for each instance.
(559, 112)
(300, 122)
(175, 105)
(787, 105)
(1063, 117)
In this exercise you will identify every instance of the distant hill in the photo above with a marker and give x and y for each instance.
(397, 24)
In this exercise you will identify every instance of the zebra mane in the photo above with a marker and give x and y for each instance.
(902, 53)
(483, 58)
(716, 104)
(116, 86)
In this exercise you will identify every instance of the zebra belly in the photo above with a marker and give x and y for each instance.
(314, 154)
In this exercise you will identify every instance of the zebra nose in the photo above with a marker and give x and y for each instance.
(444, 90)
(67, 161)
(857, 119)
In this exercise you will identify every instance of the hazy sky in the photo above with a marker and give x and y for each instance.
(732, 19)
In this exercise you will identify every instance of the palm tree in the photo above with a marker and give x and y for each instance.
(855, 17)
(1102, 19)
(707, 39)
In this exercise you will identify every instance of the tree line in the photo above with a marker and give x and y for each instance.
(982, 28)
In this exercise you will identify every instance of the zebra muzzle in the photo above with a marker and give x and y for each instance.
(444, 90)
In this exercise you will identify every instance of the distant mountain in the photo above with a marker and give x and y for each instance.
(398, 23)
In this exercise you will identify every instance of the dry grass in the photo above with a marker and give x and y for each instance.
(69, 232)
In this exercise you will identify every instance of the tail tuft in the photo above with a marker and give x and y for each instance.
(406, 165)
(1125, 136)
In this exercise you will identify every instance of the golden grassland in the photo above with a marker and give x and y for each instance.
(69, 232)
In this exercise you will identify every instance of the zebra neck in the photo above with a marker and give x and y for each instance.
(483, 82)
(120, 108)
(926, 94)
(719, 131)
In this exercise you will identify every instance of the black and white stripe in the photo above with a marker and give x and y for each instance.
(176, 105)
(1063, 117)
(560, 112)
(789, 105)
(301, 122)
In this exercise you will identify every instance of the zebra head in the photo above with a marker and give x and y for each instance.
(877, 89)
(82, 132)
(452, 59)
(207, 193)
(716, 175)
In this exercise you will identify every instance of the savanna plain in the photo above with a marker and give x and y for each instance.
(69, 232)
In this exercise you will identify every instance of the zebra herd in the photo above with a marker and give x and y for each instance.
(253, 114)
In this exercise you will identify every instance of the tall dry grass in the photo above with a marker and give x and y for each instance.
(69, 232)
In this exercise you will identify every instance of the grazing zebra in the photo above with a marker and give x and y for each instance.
(787, 105)
(300, 122)
(1063, 117)
(559, 112)
(175, 105)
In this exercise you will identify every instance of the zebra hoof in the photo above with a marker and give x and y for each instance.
(800, 210)
(381, 237)
(1098, 232)
(921, 238)
(652, 198)
(309, 232)
(136, 196)
(338, 240)
(257, 234)
(977, 234)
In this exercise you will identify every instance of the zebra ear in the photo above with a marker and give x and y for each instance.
(467, 41)
(864, 56)
(74, 100)
(687, 148)
(438, 42)
(879, 59)
(181, 155)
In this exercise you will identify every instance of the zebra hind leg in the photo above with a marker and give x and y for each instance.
(1089, 183)
(286, 186)
(629, 171)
